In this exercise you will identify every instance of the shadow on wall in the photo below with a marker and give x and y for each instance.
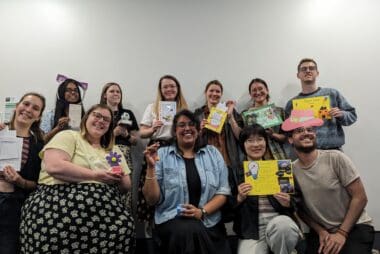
(288, 92)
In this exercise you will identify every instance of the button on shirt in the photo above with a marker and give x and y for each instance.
(171, 176)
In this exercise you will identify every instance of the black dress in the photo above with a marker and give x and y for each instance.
(183, 235)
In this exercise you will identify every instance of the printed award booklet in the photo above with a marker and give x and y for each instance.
(266, 116)
(320, 105)
(75, 115)
(269, 177)
(10, 149)
(217, 117)
(168, 109)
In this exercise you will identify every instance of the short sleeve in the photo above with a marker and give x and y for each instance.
(148, 117)
(64, 140)
(345, 169)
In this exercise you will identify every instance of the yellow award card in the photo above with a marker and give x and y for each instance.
(216, 119)
(320, 105)
(269, 177)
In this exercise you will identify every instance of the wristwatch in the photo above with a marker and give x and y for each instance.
(204, 213)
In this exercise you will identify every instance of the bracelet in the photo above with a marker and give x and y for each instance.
(204, 213)
(150, 178)
(342, 232)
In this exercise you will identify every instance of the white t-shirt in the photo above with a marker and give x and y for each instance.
(164, 132)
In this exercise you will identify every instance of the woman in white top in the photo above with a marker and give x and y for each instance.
(169, 89)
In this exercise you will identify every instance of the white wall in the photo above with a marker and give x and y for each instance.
(136, 42)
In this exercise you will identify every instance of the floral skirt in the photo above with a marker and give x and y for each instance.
(76, 218)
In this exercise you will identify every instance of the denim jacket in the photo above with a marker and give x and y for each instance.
(171, 176)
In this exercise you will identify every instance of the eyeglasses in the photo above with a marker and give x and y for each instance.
(99, 116)
(184, 124)
(308, 68)
(71, 90)
(304, 130)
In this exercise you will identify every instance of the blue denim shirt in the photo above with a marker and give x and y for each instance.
(171, 176)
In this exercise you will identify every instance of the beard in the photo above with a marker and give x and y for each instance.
(305, 149)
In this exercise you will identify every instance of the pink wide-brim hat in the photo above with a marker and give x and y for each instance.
(301, 118)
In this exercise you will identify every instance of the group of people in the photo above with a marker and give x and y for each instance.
(71, 193)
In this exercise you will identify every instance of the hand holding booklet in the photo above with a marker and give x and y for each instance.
(269, 177)
(10, 149)
(217, 117)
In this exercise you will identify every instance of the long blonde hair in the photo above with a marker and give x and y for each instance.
(181, 102)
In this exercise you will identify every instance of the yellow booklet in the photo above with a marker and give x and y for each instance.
(320, 105)
(216, 119)
(269, 177)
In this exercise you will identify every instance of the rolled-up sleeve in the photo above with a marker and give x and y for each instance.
(223, 187)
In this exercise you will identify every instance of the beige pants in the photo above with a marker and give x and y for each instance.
(281, 237)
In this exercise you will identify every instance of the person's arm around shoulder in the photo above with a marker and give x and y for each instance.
(151, 188)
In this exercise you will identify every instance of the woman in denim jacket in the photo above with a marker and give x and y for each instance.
(188, 184)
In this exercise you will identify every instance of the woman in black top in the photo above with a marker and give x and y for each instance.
(125, 124)
(17, 183)
(262, 223)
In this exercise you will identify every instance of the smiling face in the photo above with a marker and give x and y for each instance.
(255, 147)
(98, 123)
(28, 110)
(259, 93)
(169, 89)
(186, 132)
(71, 93)
(113, 95)
(213, 94)
(304, 139)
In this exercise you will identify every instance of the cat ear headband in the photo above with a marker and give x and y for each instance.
(61, 78)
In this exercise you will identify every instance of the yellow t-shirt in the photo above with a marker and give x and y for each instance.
(81, 153)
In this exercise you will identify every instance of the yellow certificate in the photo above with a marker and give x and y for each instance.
(269, 177)
(320, 105)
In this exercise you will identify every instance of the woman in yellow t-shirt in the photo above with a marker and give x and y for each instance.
(77, 206)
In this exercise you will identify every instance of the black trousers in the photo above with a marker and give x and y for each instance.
(190, 236)
(359, 240)
(10, 210)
